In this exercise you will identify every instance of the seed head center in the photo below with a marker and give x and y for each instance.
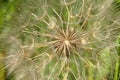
(67, 42)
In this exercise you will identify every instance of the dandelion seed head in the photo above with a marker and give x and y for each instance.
(65, 42)
(79, 30)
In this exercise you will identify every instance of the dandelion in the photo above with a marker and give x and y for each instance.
(62, 40)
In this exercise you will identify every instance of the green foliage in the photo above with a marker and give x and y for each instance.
(2, 70)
